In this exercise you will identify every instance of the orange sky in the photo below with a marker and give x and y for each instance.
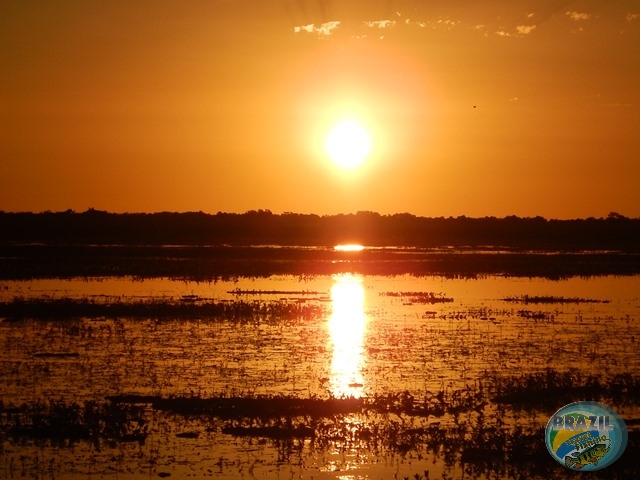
(223, 106)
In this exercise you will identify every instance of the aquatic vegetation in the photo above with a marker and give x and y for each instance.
(194, 308)
(247, 406)
(482, 442)
(539, 315)
(239, 291)
(420, 297)
(234, 378)
(551, 388)
(551, 299)
(433, 405)
(68, 423)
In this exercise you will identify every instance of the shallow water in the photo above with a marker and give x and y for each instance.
(372, 338)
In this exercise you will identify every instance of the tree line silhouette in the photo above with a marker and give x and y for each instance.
(262, 227)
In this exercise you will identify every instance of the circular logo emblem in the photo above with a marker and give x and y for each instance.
(586, 436)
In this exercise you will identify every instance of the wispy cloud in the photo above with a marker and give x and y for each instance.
(381, 23)
(304, 28)
(446, 24)
(525, 29)
(632, 17)
(482, 29)
(514, 23)
(408, 21)
(578, 16)
(442, 24)
(323, 30)
(327, 28)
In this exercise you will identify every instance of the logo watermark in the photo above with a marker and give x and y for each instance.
(586, 436)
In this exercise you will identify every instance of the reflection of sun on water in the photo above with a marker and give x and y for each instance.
(347, 326)
(348, 248)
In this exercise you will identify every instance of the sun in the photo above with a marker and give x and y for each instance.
(348, 144)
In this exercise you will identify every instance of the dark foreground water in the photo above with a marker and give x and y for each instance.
(345, 375)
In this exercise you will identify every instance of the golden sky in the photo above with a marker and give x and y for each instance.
(473, 108)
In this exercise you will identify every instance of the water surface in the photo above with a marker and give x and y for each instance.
(373, 335)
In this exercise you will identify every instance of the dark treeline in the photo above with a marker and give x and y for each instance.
(265, 228)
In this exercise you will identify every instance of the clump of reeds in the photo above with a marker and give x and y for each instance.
(526, 299)
(551, 388)
(273, 406)
(482, 442)
(67, 423)
(263, 406)
(539, 315)
(239, 291)
(158, 308)
(420, 297)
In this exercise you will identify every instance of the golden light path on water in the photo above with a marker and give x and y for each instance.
(347, 327)
(351, 247)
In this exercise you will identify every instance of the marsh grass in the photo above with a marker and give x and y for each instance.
(239, 291)
(490, 428)
(477, 428)
(66, 423)
(268, 407)
(483, 443)
(420, 297)
(526, 299)
(159, 308)
(235, 407)
(539, 315)
(550, 389)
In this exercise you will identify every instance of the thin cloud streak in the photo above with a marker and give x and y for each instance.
(525, 29)
(578, 16)
(515, 26)
(380, 23)
(323, 30)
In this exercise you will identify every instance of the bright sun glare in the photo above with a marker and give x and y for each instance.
(348, 144)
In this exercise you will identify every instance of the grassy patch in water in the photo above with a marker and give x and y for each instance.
(526, 299)
(240, 310)
(65, 423)
(484, 442)
(551, 389)
(274, 406)
(420, 297)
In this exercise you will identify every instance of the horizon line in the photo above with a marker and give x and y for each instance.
(611, 215)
